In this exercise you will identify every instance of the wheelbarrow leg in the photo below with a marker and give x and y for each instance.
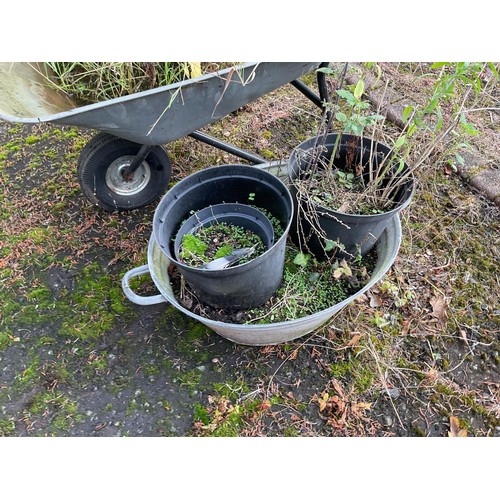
(309, 93)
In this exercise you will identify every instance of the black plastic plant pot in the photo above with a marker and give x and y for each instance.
(241, 286)
(314, 224)
(235, 214)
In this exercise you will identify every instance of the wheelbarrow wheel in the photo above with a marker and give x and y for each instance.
(100, 167)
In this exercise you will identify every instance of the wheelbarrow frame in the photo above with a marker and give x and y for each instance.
(136, 126)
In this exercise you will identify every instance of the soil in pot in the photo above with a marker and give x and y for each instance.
(342, 184)
(219, 240)
(309, 286)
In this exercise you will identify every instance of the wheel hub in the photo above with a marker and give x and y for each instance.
(130, 184)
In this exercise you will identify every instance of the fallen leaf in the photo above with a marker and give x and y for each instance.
(354, 340)
(375, 300)
(464, 336)
(361, 407)
(439, 306)
(406, 327)
(455, 430)
(338, 273)
(323, 400)
(338, 388)
(264, 406)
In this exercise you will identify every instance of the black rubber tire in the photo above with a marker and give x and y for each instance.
(105, 151)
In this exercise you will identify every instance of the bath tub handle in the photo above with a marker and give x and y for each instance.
(132, 296)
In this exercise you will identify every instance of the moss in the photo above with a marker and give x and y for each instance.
(193, 334)
(231, 388)
(339, 370)
(356, 371)
(443, 389)
(89, 308)
(13, 147)
(230, 425)
(291, 432)
(6, 339)
(189, 379)
(32, 139)
(268, 154)
(473, 171)
(201, 414)
(30, 374)
(7, 427)
(363, 379)
(418, 431)
(490, 417)
(151, 370)
(62, 407)
(96, 364)
(197, 331)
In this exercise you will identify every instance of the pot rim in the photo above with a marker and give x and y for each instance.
(272, 180)
(248, 212)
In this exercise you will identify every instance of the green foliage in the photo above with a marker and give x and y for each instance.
(223, 251)
(310, 286)
(277, 227)
(453, 82)
(218, 240)
(32, 139)
(355, 121)
(192, 246)
(7, 427)
(345, 179)
(302, 259)
(85, 312)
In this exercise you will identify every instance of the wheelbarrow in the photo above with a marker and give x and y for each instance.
(125, 165)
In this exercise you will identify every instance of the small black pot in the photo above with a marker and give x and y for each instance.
(313, 223)
(236, 214)
(247, 285)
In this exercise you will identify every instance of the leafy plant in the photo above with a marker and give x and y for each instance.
(355, 121)
(192, 246)
(218, 240)
(310, 286)
(345, 179)
(377, 180)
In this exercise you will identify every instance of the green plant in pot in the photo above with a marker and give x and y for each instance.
(347, 183)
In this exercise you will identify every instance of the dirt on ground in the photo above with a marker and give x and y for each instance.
(417, 355)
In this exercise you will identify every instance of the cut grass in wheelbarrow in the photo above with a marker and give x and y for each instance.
(91, 82)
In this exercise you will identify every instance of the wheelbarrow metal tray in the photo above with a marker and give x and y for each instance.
(153, 117)
(286, 331)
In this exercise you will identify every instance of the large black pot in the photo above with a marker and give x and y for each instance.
(314, 223)
(246, 285)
